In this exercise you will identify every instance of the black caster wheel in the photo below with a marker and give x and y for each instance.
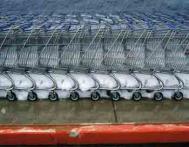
(53, 96)
(158, 96)
(115, 96)
(95, 96)
(11, 96)
(149, 91)
(178, 96)
(137, 96)
(108, 93)
(130, 90)
(32, 96)
(74, 96)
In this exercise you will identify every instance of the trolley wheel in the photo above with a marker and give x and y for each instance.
(158, 96)
(178, 96)
(11, 96)
(53, 96)
(95, 96)
(108, 92)
(149, 91)
(32, 96)
(130, 90)
(74, 96)
(137, 96)
(115, 96)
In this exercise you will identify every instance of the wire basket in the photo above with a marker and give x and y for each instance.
(99, 44)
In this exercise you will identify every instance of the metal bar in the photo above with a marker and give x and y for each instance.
(5, 37)
(135, 43)
(97, 46)
(109, 49)
(79, 43)
(125, 35)
(24, 47)
(93, 134)
(159, 45)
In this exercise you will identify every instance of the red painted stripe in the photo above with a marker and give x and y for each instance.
(94, 134)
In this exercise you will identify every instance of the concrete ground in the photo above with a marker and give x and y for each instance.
(87, 111)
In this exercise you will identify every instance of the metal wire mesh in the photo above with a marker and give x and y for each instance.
(135, 55)
(49, 57)
(114, 51)
(92, 54)
(97, 52)
(8, 56)
(97, 44)
(28, 57)
(155, 54)
(175, 56)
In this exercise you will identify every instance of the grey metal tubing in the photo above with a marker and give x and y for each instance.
(8, 88)
(76, 83)
(140, 83)
(13, 84)
(164, 87)
(127, 88)
(180, 81)
(114, 89)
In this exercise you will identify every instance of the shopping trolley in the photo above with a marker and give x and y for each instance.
(89, 46)
(56, 55)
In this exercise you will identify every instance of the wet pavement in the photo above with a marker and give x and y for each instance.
(87, 111)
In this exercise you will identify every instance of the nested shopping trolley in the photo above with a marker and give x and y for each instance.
(98, 56)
